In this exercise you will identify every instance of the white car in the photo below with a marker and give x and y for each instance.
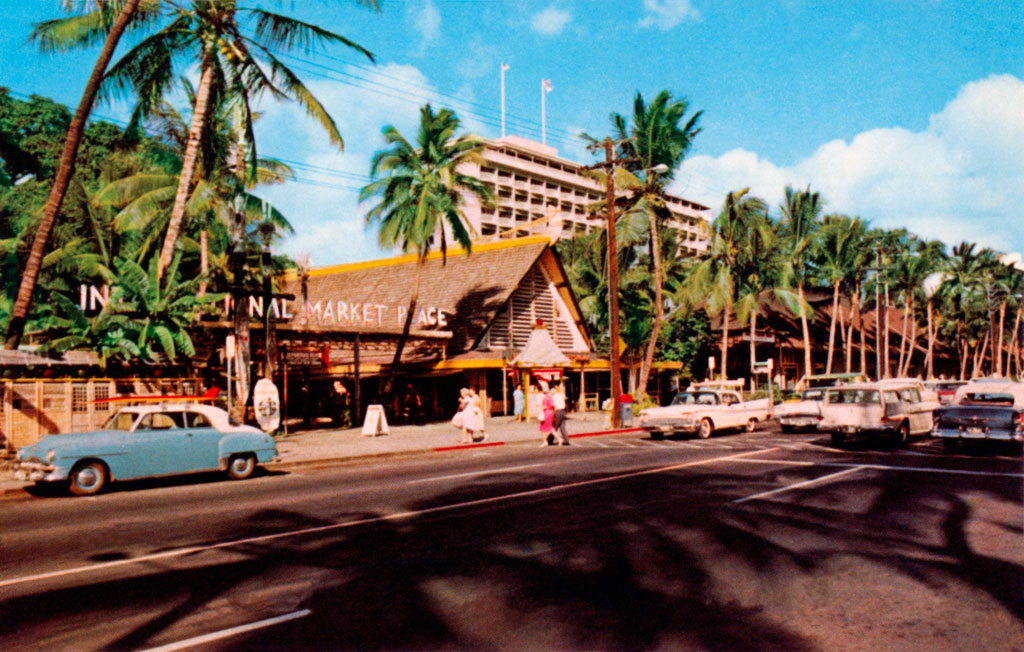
(802, 413)
(704, 411)
(885, 408)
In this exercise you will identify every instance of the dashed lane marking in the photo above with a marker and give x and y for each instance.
(227, 633)
(798, 485)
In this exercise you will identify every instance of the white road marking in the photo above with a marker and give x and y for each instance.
(800, 484)
(233, 631)
(398, 516)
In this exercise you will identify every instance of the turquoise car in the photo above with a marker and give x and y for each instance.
(144, 442)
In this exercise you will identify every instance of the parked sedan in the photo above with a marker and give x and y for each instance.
(147, 441)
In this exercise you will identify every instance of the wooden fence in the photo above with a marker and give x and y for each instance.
(32, 409)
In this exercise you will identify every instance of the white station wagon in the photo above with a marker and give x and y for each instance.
(886, 408)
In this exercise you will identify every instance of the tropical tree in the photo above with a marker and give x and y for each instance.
(840, 254)
(713, 280)
(762, 277)
(420, 194)
(800, 218)
(107, 22)
(237, 51)
(653, 146)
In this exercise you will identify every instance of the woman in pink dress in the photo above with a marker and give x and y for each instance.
(547, 424)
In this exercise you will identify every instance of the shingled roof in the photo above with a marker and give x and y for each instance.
(460, 294)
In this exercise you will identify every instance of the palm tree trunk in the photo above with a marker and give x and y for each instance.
(19, 312)
(842, 335)
(1014, 344)
(753, 342)
(188, 166)
(963, 361)
(912, 342)
(832, 327)
(885, 329)
(659, 308)
(807, 334)
(930, 363)
(389, 380)
(204, 260)
(997, 345)
(725, 341)
(903, 336)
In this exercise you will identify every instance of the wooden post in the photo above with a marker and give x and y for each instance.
(356, 394)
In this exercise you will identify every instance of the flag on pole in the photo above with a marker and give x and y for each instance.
(504, 67)
(546, 84)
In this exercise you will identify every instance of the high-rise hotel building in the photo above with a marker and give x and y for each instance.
(538, 193)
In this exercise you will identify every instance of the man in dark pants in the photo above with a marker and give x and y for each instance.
(558, 396)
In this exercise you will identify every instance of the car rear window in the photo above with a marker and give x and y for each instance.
(853, 396)
(987, 398)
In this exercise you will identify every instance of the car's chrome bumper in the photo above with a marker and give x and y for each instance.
(39, 472)
(971, 434)
(671, 426)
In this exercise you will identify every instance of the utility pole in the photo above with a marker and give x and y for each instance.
(613, 277)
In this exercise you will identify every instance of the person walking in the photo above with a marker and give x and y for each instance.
(473, 422)
(547, 423)
(518, 403)
(459, 420)
(558, 424)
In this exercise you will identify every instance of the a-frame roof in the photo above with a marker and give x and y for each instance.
(469, 288)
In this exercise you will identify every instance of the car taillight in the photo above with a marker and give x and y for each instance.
(1018, 420)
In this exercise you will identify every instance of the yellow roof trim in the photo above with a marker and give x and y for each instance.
(292, 275)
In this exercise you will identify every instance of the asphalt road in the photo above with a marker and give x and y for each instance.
(741, 542)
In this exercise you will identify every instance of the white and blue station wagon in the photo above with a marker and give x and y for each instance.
(147, 441)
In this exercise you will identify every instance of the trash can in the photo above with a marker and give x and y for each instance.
(626, 409)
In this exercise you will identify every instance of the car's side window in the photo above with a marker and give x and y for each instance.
(911, 395)
(197, 420)
(891, 397)
(160, 421)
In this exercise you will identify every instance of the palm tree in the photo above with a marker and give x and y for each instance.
(215, 33)
(762, 276)
(713, 281)
(800, 212)
(654, 146)
(107, 21)
(420, 192)
(838, 248)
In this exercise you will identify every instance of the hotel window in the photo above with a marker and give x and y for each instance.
(488, 229)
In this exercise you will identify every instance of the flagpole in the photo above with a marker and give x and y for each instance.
(504, 67)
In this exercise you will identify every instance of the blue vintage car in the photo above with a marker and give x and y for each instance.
(147, 441)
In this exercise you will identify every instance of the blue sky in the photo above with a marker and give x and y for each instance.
(904, 112)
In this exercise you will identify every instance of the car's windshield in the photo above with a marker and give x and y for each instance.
(853, 396)
(813, 395)
(121, 421)
(695, 398)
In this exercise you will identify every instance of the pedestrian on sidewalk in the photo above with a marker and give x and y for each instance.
(558, 424)
(547, 422)
(473, 422)
(518, 403)
(459, 420)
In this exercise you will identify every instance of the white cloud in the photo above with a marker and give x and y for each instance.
(426, 19)
(959, 179)
(666, 14)
(324, 208)
(550, 22)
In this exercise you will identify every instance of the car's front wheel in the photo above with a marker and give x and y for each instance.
(751, 425)
(706, 428)
(241, 467)
(88, 479)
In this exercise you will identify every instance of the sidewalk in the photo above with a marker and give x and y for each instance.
(334, 445)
